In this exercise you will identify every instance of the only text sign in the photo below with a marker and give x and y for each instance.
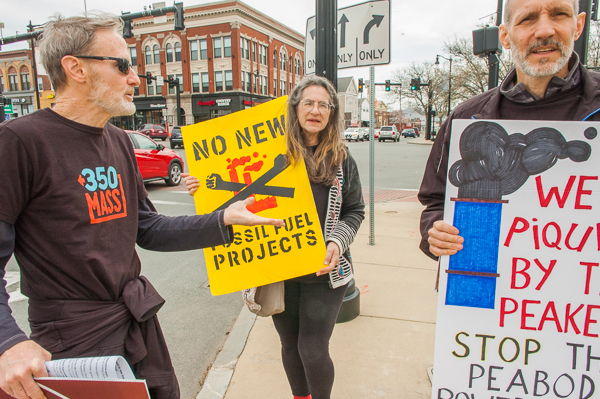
(242, 155)
(519, 305)
(363, 36)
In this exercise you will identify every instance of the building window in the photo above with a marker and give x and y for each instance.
(254, 52)
(133, 55)
(195, 83)
(40, 83)
(194, 50)
(275, 87)
(227, 46)
(177, 51)
(136, 91)
(242, 47)
(158, 88)
(169, 49)
(13, 83)
(217, 47)
(148, 55)
(219, 81)
(275, 59)
(243, 80)
(264, 84)
(1, 83)
(248, 81)
(149, 89)
(203, 50)
(247, 48)
(228, 80)
(204, 82)
(264, 54)
(156, 54)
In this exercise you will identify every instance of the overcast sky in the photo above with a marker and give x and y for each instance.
(419, 27)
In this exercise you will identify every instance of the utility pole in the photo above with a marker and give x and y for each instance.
(34, 67)
(326, 40)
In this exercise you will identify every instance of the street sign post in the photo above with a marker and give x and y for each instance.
(363, 38)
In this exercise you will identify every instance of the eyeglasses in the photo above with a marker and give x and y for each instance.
(322, 106)
(122, 64)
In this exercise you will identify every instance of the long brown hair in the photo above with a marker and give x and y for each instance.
(322, 166)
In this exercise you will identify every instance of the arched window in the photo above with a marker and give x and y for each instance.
(148, 55)
(177, 51)
(275, 59)
(25, 81)
(156, 54)
(169, 49)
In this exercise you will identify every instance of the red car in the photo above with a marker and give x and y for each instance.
(154, 131)
(155, 161)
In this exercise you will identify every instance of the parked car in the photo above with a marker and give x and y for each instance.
(353, 133)
(376, 133)
(155, 161)
(176, 139)
(154, 131)
(409, 133)
(389, 133)
(417, 131)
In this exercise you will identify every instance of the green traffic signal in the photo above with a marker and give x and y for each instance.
(387, 85)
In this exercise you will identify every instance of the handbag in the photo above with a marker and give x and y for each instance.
(267, 299)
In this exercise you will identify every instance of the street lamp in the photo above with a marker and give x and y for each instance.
(437, 62)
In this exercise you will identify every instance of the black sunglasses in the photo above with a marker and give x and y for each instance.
(122, 64)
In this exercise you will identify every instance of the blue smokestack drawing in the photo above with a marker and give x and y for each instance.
(494, 164)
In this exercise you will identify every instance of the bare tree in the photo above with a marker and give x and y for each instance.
(593, 57)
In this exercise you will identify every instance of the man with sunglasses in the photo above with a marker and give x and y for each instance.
(73, 206)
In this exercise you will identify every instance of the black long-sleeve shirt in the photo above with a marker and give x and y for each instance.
(155, 232)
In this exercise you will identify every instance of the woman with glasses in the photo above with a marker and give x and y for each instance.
(312, 302)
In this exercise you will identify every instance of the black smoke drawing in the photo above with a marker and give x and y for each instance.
(495, 163)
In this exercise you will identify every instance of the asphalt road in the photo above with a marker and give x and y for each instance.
(196, 323)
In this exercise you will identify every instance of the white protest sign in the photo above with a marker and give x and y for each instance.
(519, 306)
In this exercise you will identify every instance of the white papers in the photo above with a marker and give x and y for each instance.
(100, 368)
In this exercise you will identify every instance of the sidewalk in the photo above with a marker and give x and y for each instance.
(384, 353)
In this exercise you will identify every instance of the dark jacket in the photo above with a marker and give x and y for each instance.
(483, 106)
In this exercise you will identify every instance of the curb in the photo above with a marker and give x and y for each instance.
(421, 142)
(219, 375)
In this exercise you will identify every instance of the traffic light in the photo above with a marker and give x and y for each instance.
(360, 85)
(179, 25)
(415, 84)
(387, 85)
(127, 30)
(5, 101)
(149, 78)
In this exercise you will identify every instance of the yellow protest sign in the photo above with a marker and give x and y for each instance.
(240, 155)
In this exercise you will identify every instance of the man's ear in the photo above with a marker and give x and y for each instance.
(504, 36)
(74, 69)
(580, 25)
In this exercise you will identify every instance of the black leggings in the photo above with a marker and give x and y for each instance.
(304, 329)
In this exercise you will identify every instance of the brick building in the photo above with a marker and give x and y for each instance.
(229, 58)
(16, 83)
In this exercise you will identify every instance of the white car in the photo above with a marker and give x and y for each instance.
(389, 133)
(353, 133)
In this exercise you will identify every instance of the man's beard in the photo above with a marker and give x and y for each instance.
(544, 67)
(113, 103)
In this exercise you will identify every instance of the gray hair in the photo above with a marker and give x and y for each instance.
(71, 36)
(508, 12)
